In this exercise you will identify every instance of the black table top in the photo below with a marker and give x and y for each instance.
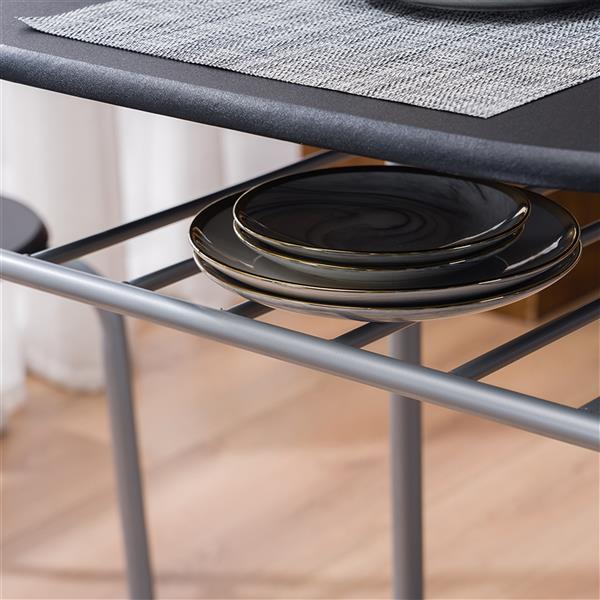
(552, 142)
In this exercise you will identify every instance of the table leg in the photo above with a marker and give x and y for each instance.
(126, 460)
(405, 461)
(126, 456)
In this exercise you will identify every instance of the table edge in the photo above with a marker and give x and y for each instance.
(419, 147)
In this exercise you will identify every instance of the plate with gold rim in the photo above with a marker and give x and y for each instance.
(548, 235)
(361, 275)
(380, 215)
(399, 312)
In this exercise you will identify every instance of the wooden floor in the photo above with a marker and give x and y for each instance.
(265, 480)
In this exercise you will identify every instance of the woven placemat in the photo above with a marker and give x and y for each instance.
(478, 64)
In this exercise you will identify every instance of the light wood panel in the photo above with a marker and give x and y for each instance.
(266, 480)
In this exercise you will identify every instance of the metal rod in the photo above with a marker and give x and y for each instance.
(529, 342)
(542, 191)
(120, 233)
(250, 310)
(590, 233)
(126, 457)
(125, 453)
(405, 468)
(592, 407)
(357, 338)
(511, 408)
(166, 276)
(369, 333)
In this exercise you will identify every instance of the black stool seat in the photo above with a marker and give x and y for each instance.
(21, 230)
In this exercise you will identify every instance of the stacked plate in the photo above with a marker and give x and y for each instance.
(385, 243)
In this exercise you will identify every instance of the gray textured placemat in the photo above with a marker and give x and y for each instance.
(478, 64)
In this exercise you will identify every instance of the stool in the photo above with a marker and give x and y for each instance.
(23, 231)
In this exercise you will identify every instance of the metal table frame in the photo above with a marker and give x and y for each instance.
(400, 373)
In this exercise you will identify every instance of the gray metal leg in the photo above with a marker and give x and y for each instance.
(405, 461)
(119, 393)
(126, 457)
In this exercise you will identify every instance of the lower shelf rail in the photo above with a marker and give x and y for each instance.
(341, 356)
(529, 342)
(238, 327)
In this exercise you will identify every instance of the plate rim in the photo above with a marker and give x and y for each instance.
(518, 194)
(236, 286)
(253, 245)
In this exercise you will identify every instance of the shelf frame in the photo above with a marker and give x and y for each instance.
(237, 326)
(401, 373)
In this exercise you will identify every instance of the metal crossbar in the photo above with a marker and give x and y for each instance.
(591, 233)
(369, 333)
(166, 276)
(519, 410)
(121, 233)
(249, 309)
(593, 406)
(341, 356)
(529, 342)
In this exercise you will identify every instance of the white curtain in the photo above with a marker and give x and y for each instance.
(84, 166)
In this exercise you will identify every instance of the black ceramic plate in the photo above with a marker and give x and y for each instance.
(400, 312)
(380, 215)
(371, 276)
(548, 235)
